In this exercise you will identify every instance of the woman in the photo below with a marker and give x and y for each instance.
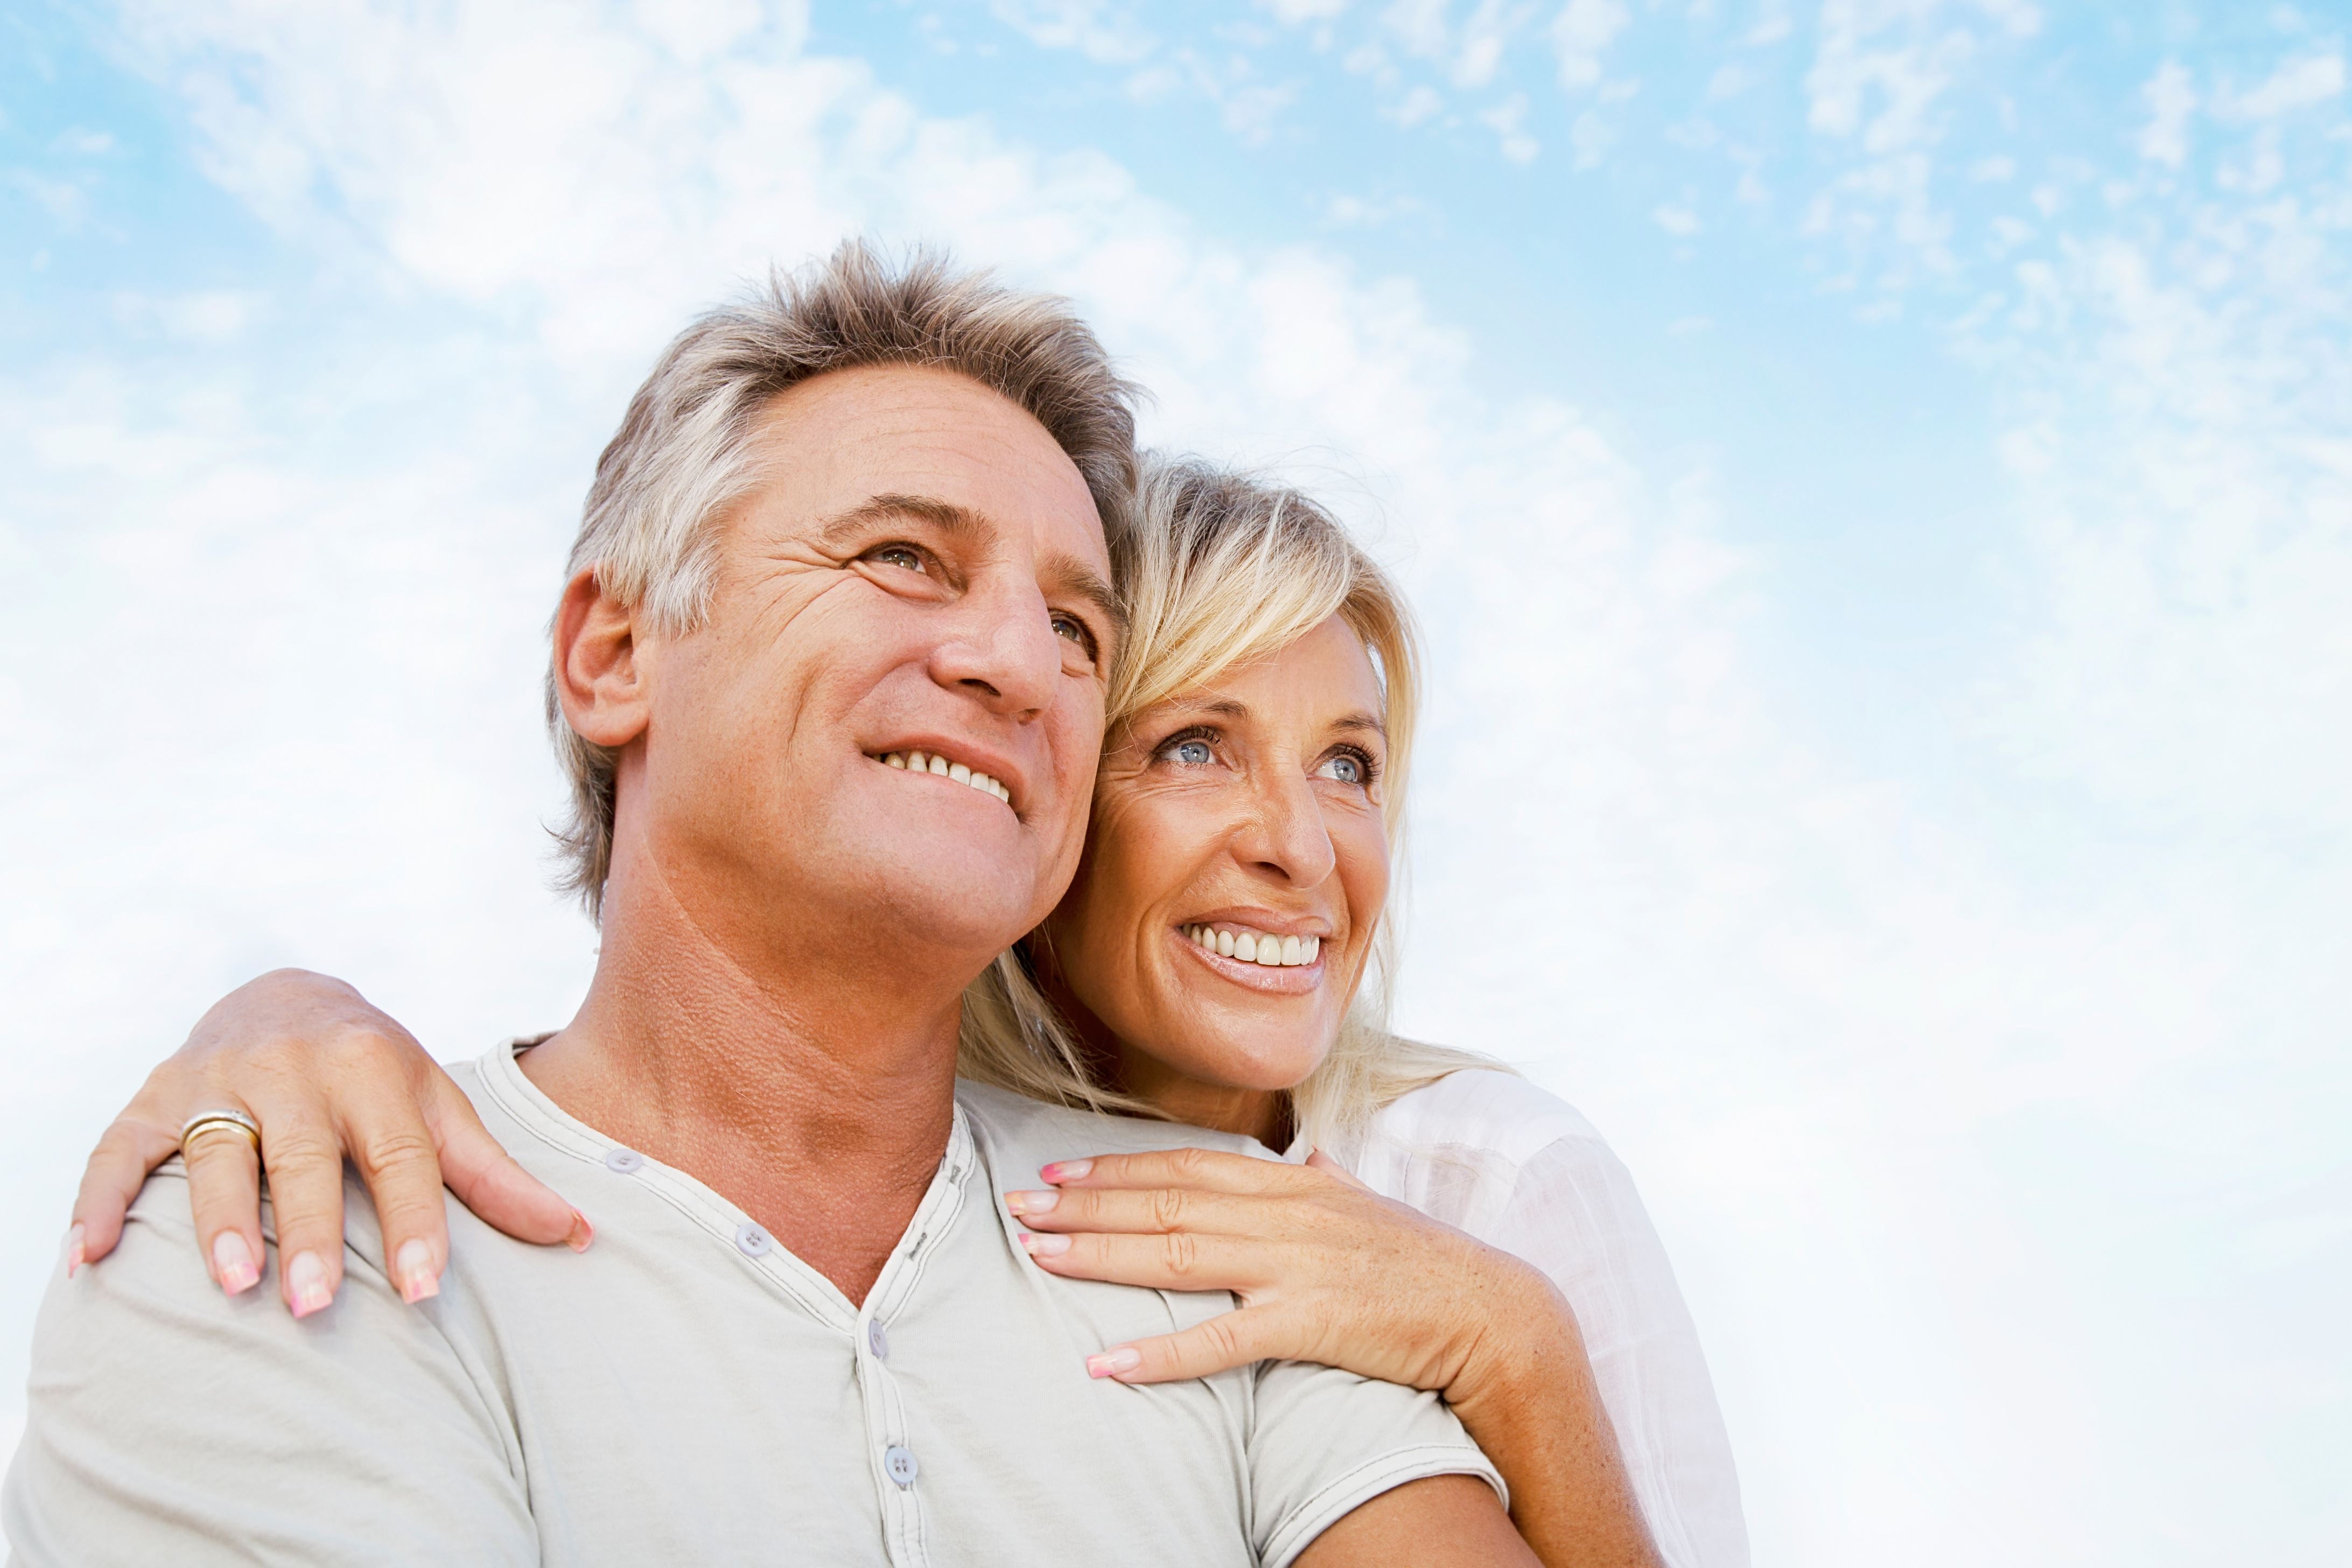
(1221, 959)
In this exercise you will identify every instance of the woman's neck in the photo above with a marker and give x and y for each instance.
(1260, 1114)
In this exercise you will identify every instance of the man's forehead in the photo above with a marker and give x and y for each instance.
(837, 444)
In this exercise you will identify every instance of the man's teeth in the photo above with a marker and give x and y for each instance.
(1255, 947)
(917, 763)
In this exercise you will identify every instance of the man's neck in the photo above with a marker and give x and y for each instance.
(818, 1102)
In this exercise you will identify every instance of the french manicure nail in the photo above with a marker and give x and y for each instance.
(1067, 1170)
(1046, 1245)
(1031, 1202)
(73, 1251)
(1110, 1363)
(233, 1263)
(414, 1269)
(582, 1233)
(306, 1281)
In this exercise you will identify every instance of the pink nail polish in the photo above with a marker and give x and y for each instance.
(1046, 1245)
(306, 1284)
(413, 1270)
(1031, 1202)
(1110, 1363)
(73, 1251)
(1065, 1170)
(583, 1232)
(233, 1263)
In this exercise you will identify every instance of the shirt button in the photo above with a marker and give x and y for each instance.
(901, 1466)
(878, 1339)
(623, 1160)
(754, 1241)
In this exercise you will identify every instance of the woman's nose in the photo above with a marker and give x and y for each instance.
(1285, 836)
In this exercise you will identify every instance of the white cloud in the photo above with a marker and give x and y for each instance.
(2296, 84)
(1581, 34)
(1680, 221)
(2171, 100)
(1102, 30)
(1507, 119)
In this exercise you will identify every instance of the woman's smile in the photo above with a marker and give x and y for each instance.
(1248, 955)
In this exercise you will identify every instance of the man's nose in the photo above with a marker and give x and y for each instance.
(1284, 836)
(1004, 651)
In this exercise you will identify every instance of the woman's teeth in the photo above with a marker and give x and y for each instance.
(1255, 947)
(916, 762)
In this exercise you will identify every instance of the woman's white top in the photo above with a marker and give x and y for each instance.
(1490, 1153)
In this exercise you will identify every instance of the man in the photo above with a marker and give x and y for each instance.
(864, 514)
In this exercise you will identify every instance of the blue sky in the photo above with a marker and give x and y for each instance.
(1877, 475)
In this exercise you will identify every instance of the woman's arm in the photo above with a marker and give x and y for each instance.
(326, 1076)
(1325, 1270)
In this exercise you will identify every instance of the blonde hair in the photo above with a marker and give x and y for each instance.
(1228, 569)
(685, 451)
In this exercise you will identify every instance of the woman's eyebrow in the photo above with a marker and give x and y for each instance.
(1360, 722)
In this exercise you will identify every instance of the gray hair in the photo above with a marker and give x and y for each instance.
(684, 454)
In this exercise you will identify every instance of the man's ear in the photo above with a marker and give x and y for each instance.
(597, 678)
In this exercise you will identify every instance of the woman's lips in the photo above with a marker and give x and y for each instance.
(1278, 980)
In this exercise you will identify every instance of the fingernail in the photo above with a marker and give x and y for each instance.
(582, 1233)
(233, 1263)
(73, 1252)
(1031, 1202)
(1046, 1245)
(306, 1282)
(1067, 1170)
(1110, 1363)
(413, 1270)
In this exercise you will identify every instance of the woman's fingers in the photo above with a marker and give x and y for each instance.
(224, 1200)
(304, 1155)
(1319, 1160)
(489, 1181)
(117, 1169)
(1180, 1261)
(1211, 1170)
(394, 1149)
(1229, 1340)
(1148, 1211)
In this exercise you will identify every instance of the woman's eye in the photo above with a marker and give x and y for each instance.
(1190, 753)
(904, 555)
(1345, 769)
(1075, 629)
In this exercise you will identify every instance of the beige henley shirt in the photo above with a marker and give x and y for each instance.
(686, 1391)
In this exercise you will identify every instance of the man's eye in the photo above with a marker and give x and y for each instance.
(904, 555)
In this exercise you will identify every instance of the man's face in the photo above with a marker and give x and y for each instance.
(921, 570)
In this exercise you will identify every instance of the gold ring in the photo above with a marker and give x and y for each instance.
(204, 1121)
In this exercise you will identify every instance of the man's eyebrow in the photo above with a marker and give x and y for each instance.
(1068, 575)
(944, 515)
(1064, 575)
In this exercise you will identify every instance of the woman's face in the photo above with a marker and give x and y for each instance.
(1228, 823)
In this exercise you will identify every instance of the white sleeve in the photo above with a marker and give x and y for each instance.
(1575, 1214)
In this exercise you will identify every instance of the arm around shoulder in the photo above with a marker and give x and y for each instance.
(169, 1423)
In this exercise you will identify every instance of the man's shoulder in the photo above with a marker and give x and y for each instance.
(1013, 1124)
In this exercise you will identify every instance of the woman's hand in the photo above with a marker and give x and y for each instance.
(1325, 1270)
(1328, 1270)
(325, 1076)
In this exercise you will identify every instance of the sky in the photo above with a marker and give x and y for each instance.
(1876, 476)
